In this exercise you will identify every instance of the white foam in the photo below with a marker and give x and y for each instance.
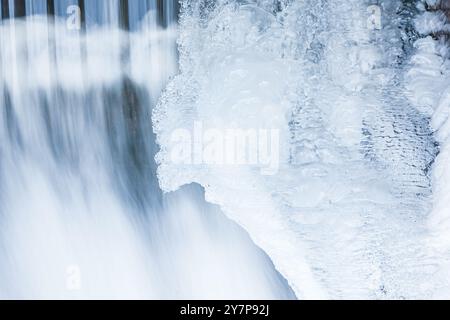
(68, 230)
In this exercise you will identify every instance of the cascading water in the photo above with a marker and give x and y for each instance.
(81, 212)
(340, 199)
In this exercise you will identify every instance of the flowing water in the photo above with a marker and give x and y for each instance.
(87, 212)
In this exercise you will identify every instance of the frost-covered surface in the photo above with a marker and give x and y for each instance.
(81, 212)
(429, 84)
(346, 216)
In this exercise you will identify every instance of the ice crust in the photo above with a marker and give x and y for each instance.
(346, 216)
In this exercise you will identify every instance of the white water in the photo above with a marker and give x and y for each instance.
(347, 214)
(429, 81)
(357, 208)
(81, 213)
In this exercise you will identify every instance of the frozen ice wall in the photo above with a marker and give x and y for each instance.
(429, 84)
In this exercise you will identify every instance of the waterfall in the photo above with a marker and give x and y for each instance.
(345, 212)
(81, 211)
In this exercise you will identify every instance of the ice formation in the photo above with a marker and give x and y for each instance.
(347, 213)
(317, 129)
(81, 212)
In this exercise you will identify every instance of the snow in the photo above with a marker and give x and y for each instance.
(344, 216)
